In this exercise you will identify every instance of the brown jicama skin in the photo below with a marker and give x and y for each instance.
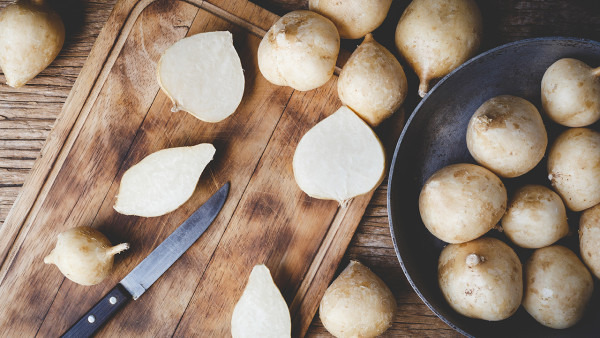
(84, 255)
(436, 36)
(372, 82)
(357, 304)
(32, 36)
(571, 93)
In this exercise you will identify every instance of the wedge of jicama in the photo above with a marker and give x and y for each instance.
(163, 180)
(261, 311)
(339, 158)
(202, 75)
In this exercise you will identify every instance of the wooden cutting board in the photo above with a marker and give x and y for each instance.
(114, 116)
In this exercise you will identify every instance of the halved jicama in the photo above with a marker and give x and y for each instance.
(339, 158)
(163, 180)
(202, 75)
(261, 311)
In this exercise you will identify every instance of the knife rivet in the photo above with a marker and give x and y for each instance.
(91, 319)
(112, 300)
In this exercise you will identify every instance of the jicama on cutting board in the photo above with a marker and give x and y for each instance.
(115, 116)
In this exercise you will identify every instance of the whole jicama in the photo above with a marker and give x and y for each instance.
(32, 35)
(84, 255)
(436, 36)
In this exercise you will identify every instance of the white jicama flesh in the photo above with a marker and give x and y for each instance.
(261, 311)
(202, 75)
(339, 158)
(163, 180)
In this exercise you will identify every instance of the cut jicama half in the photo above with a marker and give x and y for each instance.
(163, 180)
(339, 158)
(261, 311)
(202, 75)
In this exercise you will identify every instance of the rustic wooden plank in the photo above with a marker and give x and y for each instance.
(296, 224)
(505, 21)
(73, 198)
(163, 128)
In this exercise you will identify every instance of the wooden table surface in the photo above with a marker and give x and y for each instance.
(28, 113)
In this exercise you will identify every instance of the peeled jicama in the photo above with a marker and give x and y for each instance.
(32, 35)
(339, 158)
(261, 311)
(436, 36)
(372, 82)
(202, 74)
(84, 255)
(163, 180)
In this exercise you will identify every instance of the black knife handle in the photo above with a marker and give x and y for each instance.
(87, 325)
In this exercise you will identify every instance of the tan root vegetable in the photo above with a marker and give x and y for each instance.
(536, 217)
(300, 51)
(202, 74)
(461, 202)
(261, 310)
(353, 18)
(481, 279)
(84, 255)
(507, 135)
(436, 36)
(339, 158)
(162, 181)
(589, 239)
(32, 36)
(558, 287)
(357, 304)
(571, 93)
(372, 82)
(574, 167)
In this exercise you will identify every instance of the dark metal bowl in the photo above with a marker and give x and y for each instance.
(434, 137)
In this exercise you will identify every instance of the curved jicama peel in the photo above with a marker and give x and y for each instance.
(32, 36)
(163, 180)
(84, 255)
(202, 75)
(261, 311)
(339, 158)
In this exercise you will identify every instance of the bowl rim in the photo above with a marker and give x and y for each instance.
(401, 138)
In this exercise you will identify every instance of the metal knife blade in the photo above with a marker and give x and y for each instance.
(159, 260)
(151, 268)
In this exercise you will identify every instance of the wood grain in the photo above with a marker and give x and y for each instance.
(117, 117)
(39, 103)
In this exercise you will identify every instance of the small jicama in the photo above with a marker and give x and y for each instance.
(372, 82)
(84, 255)
(571, 93)
(261, 311)
(163, 180)
(353, 18)
(357, 304)
(574, 167)
(32, 36)
(202, 74)
(436, 36)
(339, 158)
(299, 50)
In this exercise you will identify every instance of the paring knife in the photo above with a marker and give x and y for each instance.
(151, 268)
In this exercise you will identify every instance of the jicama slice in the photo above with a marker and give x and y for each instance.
(339, 158)
(202, 75)
(261, 311)
(163, 180)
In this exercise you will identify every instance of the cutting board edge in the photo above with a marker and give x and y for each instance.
(68, 125)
